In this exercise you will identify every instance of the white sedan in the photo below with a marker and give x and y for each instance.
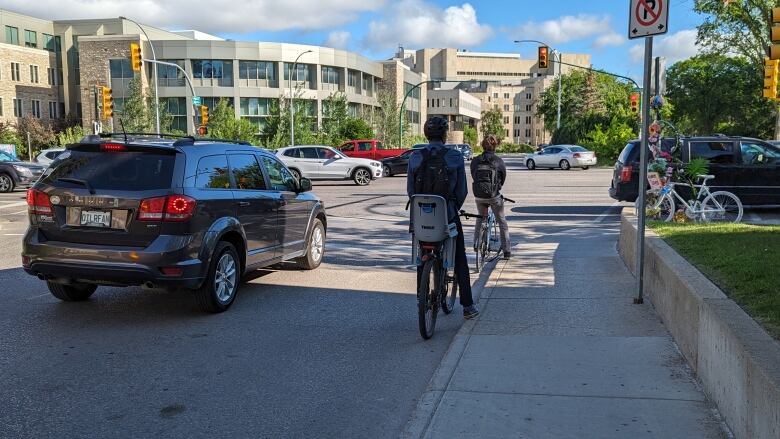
(561, 156)
(319, 162)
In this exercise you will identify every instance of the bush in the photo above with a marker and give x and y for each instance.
(511, 148)
(608, 142)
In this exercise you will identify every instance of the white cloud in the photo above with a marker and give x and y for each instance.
(611, 38)
(216, 16)
(338, 39)
(565, 29)
(416, 23)
(674, 47)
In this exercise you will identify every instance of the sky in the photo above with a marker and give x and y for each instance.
(375, 28)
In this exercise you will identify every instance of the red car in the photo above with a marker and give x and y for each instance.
(369, 149)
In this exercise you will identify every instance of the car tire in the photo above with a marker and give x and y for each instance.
(386, 171)
(585, 168)
(531, 165)
(72, 292)
(296, 174)
(361, 177)
(6, 183)
(565, 165)
(315, 247)
(210, 296)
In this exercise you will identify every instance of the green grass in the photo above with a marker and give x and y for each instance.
(743, 260)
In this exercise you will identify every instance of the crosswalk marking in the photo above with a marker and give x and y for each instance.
(17, 204)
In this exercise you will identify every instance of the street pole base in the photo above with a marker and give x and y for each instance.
(638, 301)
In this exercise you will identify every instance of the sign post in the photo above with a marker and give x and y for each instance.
(646, 18)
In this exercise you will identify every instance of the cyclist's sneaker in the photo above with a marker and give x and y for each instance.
(507, 255)
(470, 312)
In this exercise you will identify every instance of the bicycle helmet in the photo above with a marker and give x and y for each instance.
(436, 128)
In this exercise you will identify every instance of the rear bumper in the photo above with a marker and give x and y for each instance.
(111, 265)
(623, 192)
(578, 163)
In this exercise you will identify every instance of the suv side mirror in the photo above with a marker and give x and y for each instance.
(304, 185)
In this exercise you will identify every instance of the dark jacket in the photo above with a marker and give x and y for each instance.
(497, 162)
(457, 176)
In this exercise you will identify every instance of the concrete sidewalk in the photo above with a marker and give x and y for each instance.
(560, 351)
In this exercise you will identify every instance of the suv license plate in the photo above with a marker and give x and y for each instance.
(95, 219)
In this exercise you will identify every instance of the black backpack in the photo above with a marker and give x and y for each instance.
(485, 183)
(431, 177)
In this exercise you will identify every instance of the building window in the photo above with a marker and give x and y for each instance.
(11, 35)
(30, 38)
(62, 109)
(527, 133)
(301, 72)
(413, 117)
(220, 70)
(35, 108)
(528, 108)
(34, 74)
(495, 95)
(506, 133)
(17, 107)
(353, 110)
(53, 110)
(120, 68)
(49, 43)
(256, 70)
(176, 107)
(15, 76)
(517, 120)
(506, 107)
(368, 85)
(352, 78)
(495, 106)
(506, 95)
(528, 96)
(528, 120)
(330, 75)
(415, 91)
(255, 107)
(169, 76)
(51, 76)
(212, 101)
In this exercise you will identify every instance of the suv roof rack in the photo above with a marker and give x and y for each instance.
(209, 139)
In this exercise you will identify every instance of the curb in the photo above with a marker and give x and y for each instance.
(737, 362)
(429, 401)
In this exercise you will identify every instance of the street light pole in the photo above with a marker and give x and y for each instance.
(186, 76)
(292, 94)
(560, 73)
(156, 90)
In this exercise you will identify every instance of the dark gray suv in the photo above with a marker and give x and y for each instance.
(195, 214)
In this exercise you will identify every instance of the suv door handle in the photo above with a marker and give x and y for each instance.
(243, 203)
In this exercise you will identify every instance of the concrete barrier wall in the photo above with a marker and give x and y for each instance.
(737, 362)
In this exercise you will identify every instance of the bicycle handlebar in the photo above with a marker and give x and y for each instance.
(508, 199)
(467, 215)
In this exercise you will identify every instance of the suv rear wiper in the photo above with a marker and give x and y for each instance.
(84, 183)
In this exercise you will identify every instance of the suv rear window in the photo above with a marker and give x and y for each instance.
(126, 171)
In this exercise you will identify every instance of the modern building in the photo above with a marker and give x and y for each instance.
(459, 107)
(59, 64)
(500, 80)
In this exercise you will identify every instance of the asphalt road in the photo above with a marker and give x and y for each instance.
(333, 352)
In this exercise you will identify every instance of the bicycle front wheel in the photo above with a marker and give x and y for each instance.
(722, 206)
(482, 249)
(494, 243)
(427, 306)
(449, 292)
(662, 209)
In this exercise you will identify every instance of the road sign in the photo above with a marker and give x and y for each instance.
(196, 101)
(647, 18)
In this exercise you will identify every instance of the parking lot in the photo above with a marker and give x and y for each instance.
(297, 351)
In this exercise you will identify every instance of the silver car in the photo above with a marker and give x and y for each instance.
(47, 156)
(561, 156)
(320, 162)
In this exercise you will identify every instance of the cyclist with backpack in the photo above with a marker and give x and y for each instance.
(488, 173)
(438, 170)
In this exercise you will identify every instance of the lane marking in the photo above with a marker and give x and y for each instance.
(17, 204)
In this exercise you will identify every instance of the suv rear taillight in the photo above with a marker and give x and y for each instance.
(38, 202)
(173, 208)
(625, 173)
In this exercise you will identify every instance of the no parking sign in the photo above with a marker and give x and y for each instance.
(647, 18)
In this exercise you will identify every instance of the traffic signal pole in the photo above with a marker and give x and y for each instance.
(186, 77)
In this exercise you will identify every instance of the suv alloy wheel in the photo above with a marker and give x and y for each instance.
(219, 289)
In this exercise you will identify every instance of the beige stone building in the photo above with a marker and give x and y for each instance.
(500, 80)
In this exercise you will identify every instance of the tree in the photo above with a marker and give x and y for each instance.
(8, 135)
(70, 135)
(224, 125)
(735, 26)
(134, 115)
(493, 123)
(276, 133)
(607, 141)
(335, 114)
(470, 136)
(41, 135)
(355, 128)
(386, 119)
(716, 93)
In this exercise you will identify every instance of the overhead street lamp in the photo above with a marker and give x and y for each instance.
(560, 74)
(292, 94)
(154, 57)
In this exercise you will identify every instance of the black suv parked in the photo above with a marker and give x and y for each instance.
(195, 214)
(15, 173)
(749, 168)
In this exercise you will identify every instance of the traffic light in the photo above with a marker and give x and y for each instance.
(135, 57)
(774, 35)
(635, 103)
(771, 78)
(544, 51)
(107, 99)
(204, 115)
(203, 131)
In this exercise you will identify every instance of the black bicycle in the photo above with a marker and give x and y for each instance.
(438, 284)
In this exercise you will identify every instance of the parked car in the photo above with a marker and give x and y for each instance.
(749, 168)
(399, 164)
(464, 149)
(369, 149)
(561, 156)
(47, 156)
(319, 162)
(15, 173)
(190, 214)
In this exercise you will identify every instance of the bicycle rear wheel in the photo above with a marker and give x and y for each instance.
(494, 243)
(722, 206)
(449, 292)
(427, 297)
(481, 249)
